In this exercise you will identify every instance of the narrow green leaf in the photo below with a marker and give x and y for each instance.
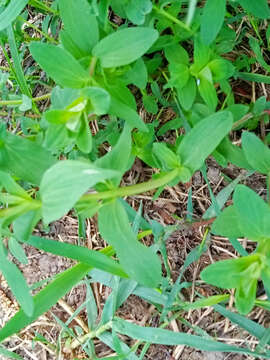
(45, 299)
(197, 145)
(9, 354)
(124, 46)
(253, 215)
(211, 25)
(258, 8)
(253, 77)
(17, 63)
(17, 251)
(48, 297)
(59, 65)
(245, 323)
(256, 153)
(17, 283)
(212, 300)
(77, 12)
(92, 258)
(167, 337)
(139, 262)
(10, 13)
(65, 182)
(222, 197)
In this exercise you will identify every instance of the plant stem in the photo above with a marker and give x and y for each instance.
(91, 335)
(172, 18)
(92, 66)
(133, 189)
(20, 101)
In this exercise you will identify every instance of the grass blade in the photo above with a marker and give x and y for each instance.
(10, 13)
(90, 257)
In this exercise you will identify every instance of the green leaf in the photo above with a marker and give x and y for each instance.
(227, 224)
(137, 75)
(84, 138)
(59, 65)
(253, 215)
(167, 158)
(245, 296)
(212, 300)
(77, 12)
(69, 45)
(124, 46)
(139, 262)
(258, 8)
(64, 183)
(253, 77)
(187, 94)
(207, 89)
(16, 283)
(233, 154)
(167, 337)
(17, 251)
(119, 157)
(221, 69)
(125, 112)
(223, 196)
(228, 274)
(136, 10)
(197, 145)
(24, 224)
(10, 13)
(149, 102)
(92, 258)
(211, 25)
(24, 158)
(256, 153)
(26, 103)
(100, 99)
(45, 299)
(9, 354)
(173, 124)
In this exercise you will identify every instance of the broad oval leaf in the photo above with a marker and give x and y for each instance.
(65, 182)
(198, 144)
(60, 65)
(256, 152)
(227, 224)
(211, 25)
(10, 13)
(124, 46)
(253, 213)
(228, 274)
(139, 261)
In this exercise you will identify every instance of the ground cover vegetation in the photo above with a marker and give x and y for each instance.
(95, 64)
